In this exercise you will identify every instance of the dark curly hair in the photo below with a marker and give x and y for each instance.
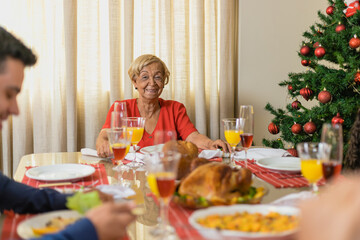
(352, 158)
(10, 46)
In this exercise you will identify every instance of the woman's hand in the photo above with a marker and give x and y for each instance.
(220, 144)
(102, 144)
(203, 142)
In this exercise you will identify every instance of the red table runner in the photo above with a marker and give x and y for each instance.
(10, 224)
(99, 175)
(278, 180)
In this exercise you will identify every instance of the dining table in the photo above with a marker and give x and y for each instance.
(139, 229)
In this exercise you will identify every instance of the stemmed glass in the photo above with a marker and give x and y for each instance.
(118, 115)
(311, 156)
(247, 113)
(232, 130)
(136, 126)
(332, 135)
(165, 174)
(119, 140)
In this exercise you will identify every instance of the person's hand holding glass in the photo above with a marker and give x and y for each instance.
(232, 130)
(247, 114)
(332, 135)
(311, 156)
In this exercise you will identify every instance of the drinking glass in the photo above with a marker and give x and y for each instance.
(152, 160)
(232, 130)
(163, 136)
(119, 140)
(311, 156)
(165, 175)
(332, 135)
(118, 115)
(136, 126)
(247, 113)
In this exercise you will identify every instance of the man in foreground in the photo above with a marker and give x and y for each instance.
(108, 221)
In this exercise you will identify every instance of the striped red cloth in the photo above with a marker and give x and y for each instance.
(178, 218)
(10, 225)
(99, 174)
(278, 180)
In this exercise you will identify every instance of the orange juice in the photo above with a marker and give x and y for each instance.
(311, 169)
(232, 137)
(151, 179)
(137, 134)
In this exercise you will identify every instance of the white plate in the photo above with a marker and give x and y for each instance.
(24, 229)
(281, 164)
(151, 149)
(210, 233)
(60, 172)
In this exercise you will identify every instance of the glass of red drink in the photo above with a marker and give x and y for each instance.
(332, 135)
(247, 128)
(119, 140)
(165, 175)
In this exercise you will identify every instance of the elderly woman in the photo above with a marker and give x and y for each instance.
(149, 75)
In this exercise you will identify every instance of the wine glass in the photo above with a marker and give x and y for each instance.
(165, 174)
(232, 130)
(136, 126)
(332, 135)
(119, 140)
(311, 156)
(163, 136)
(247, 113)
(118, 115)
(152, 160)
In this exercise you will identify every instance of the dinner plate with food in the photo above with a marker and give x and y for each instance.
(46, 223)
(246, 222)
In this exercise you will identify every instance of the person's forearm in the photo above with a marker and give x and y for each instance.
(201, 141)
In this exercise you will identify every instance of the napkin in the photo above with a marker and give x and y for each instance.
(139, 157)
(208, 154)
(89, 152)
(117, 191)
(259, 153)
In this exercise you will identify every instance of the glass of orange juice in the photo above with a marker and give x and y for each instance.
(232, 132)
(135, 125)
(311, 156)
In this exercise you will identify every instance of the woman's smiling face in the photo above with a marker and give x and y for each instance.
(150, 81)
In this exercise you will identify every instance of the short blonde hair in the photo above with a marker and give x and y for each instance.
(143, 61)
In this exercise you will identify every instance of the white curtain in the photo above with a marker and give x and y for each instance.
(85, 48)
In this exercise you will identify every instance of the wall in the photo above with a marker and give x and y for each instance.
(270, 34)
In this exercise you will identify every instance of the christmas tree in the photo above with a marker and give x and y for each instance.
(330, 54)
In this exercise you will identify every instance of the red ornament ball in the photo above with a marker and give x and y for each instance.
(296, 105)
(354, 42)
(296, 128)
(320, 52)
(305, 50)
(273, 129)
(324, 96)
(305, 62)
(330, 10)
(310, 127)
(290, 87)
(293, 152)
(337, 119)
(357, 78)
(339, 28)
(317, 44)
(306, 93)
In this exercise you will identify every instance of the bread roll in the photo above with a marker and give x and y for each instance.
(187, 150)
